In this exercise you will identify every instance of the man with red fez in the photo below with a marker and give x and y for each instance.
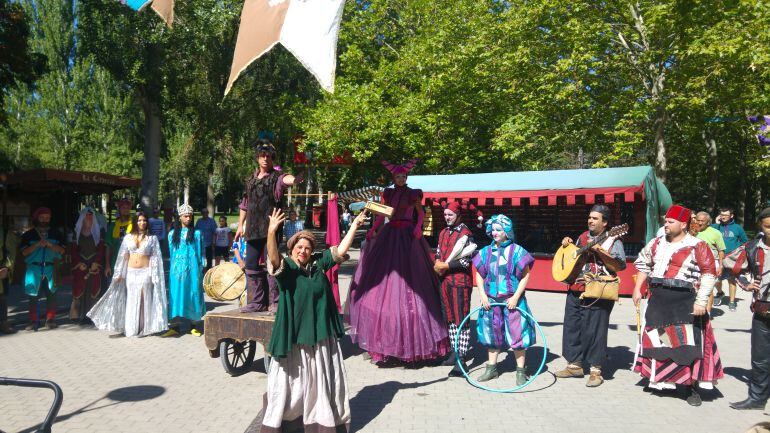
(453, 265)
(677, 345)
(41, 247)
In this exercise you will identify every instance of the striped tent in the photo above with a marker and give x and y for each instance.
(365, 193)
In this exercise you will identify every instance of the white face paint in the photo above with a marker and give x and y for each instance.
(450, 217)
(498, 234)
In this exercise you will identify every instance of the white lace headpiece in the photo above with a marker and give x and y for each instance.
(184, 209)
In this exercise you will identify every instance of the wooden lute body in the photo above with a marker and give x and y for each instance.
(568, 261)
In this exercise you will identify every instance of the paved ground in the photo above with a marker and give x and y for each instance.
(157, 385)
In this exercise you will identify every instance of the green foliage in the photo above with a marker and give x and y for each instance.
(472, 85)
(18, 64)
(76, 116)
(466, 85)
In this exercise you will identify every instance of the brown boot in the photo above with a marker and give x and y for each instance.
(571, 370)
(595, 379)
(51, 324)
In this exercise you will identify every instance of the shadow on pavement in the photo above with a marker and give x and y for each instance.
(618, 358)
(741, 374)
(112, 398)
(372, 399)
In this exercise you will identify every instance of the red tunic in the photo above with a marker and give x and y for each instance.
(80, 278)
(456, 283)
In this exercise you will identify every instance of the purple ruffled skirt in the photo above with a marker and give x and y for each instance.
(394, 308)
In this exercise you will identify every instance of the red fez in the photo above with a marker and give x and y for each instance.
(40, 211)
(679, 213)
(454, 207)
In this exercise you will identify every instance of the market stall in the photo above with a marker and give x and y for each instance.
(548, 205)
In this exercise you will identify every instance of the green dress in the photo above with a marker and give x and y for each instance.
(307, 312)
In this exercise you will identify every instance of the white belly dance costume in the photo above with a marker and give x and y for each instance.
(136, 302)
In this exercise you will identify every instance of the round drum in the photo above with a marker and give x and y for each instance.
(225, 282)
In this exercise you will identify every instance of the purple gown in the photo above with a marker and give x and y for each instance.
(394, 308)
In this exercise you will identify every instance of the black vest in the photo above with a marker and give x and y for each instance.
(260, 194)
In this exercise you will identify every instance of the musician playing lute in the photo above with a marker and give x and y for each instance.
(586, 321)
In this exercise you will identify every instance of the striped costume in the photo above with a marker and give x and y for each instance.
(501, 268)
(455, 247)
(677, 347)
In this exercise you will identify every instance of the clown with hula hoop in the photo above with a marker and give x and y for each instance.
(505, 320)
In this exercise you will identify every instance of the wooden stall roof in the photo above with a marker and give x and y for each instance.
(46, 180)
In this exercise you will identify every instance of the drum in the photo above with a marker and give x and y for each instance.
(224, 282)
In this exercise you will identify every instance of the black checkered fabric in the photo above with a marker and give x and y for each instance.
(465, 338)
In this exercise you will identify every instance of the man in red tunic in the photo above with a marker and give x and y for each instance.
(453, 265)
(677, 344)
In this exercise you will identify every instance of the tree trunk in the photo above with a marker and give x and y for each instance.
(210, 203)
(711, 145)
(660, 144)
(186, 191)
(153, 138)
(743, 166)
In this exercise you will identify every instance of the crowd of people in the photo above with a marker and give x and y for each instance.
(407, 302)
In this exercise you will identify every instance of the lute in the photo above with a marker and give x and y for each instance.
(567, 259)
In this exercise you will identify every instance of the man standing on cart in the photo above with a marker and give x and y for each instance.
(263, 192)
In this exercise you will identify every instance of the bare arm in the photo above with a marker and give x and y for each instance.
(482, 293)
(344, 245)
(58, 248)
(614, 265)
(641, 277)
(241, 220)
(276, 219)
(30, 249)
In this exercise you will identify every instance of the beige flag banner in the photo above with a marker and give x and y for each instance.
(165, 9)
(307, 28)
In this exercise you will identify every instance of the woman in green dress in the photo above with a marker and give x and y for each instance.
(306, 381)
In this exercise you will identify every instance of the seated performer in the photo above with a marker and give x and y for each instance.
(185, 279)
(135, 304)
(677, 345)
(394, 306)
(502, 272)
(306, 381)
(750, 264)
(89, 261)
(453, 265)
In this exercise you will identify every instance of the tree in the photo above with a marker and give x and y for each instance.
(74, 111)
(486, 86)
(18, 64)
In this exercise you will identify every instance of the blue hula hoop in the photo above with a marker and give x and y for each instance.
(456, 345)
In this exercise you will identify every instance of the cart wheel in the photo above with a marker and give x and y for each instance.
(237, 356)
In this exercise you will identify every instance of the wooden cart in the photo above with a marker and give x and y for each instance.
(232, 336)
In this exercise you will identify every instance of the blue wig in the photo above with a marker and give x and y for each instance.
(504, 222)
